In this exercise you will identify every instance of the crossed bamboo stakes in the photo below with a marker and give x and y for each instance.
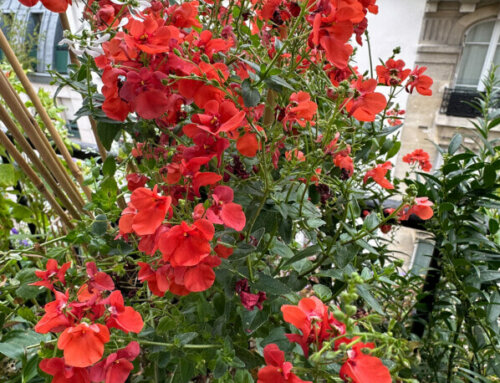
(51, 179)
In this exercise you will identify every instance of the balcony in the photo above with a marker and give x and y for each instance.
(457, 102)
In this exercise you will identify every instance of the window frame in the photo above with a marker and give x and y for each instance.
(490, 54)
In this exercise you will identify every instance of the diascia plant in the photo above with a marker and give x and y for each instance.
(250, 145)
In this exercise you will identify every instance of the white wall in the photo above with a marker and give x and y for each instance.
(398, 23)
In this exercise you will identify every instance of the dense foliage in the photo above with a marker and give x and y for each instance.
(239, 230)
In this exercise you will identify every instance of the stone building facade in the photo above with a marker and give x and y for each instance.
(459, 41)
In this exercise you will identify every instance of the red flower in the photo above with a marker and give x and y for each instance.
(218, 118)
(344, 161)
(135, 181)
(123, 317)
(224, 211)
(300, 110)
(145, 93)
(52, 274)
(184, 15)
(312, 318)
(62, 373)
(149, 35)
(151, 210)
(98, 280)
(419, 81)
(83, 345)
(378, 175)
(223, 251)
(277, 369)
(185, 245)
(117, 366)
(249, 300)
(392, 73)
(366, 103)
(419, 156)
(57, 6)
(54, 319)
(363, 368)
(422, 209)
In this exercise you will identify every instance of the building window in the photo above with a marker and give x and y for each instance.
(481, 50)
(61, 52)
(32, 37)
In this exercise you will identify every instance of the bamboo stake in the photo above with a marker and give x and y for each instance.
(14, 62)
(26, 147)
(4, 140)
(40, 141)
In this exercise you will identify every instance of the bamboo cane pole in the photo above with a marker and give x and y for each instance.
(40, 141)
(4, 140)
(14, 62)
(26, 147)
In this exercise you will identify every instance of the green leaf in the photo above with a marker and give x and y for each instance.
(279, 248)
(185, 338)
(107, 132)
(307, 252)
(165, 325)
(251, 96)
(100, 225)
(14, 343)
(489, 176)
(220, 368)
(26, 313)
(109, 166)
(394, 150)
(243, 376)
(8, 176)
(369, 298)
(270, 285)
(371, 221)
(455, 143)
(488, 276)
(323, 292)
(493, 226)
(277, 83)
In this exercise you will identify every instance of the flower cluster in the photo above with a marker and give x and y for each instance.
(84, 322)
(317, 325)
(392, 73)
(421, 157)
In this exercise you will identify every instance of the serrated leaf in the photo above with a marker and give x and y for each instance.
(279, 248)
(323, 292)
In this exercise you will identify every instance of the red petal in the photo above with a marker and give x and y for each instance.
(248, 145)
(199, 278)
(151, 104)
(233, 216)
